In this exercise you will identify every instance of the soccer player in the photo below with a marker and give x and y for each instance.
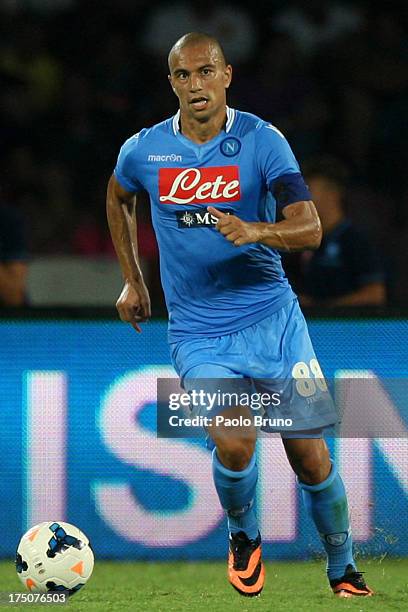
(232, 312)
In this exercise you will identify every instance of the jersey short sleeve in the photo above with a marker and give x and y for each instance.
(279, 167)
(127, 165)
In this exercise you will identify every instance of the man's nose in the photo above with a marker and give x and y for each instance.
(195, 82)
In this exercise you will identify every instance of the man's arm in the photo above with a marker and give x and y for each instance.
(133, 304)
(301, 228)
(13, 276)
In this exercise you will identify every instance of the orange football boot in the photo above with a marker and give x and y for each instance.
(246, 571)
(352, 584)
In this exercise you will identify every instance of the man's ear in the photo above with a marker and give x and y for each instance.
(228, 75)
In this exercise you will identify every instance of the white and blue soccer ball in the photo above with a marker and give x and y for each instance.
(54, 556)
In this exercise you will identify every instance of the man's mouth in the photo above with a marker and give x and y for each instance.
(199, 102)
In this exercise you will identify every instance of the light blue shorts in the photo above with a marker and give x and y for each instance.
(274, 356)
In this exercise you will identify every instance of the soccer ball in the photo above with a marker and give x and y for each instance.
(54, 556)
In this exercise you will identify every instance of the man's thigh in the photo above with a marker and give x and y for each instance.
(294, 376)
(217, 393)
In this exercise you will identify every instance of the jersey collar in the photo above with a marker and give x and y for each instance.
(228, 125)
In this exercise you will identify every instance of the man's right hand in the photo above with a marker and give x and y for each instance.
(134, 304)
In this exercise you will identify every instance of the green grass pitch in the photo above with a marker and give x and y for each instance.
(165, 587)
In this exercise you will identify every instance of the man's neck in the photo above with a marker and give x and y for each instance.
(201, 132)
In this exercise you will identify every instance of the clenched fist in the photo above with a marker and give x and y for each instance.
(133, 304)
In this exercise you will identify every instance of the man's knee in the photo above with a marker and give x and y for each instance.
(235, 453)
(313, 469)
(311, 463)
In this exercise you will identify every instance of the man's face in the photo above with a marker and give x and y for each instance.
(199, 79)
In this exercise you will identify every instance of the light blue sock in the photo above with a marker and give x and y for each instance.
(236, 491)
(326, 503)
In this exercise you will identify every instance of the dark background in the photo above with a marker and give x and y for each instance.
(77, 78)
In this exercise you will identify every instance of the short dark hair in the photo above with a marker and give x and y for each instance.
(192, 38)
(328, 167)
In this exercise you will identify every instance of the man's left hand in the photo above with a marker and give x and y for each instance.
(234, 229)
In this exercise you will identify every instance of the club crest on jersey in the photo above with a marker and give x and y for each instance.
(230, 146)
(199, 185)
(196, 217)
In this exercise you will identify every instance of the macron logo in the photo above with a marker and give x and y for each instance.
(165, 158)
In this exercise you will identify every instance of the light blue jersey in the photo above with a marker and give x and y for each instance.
(212, 287)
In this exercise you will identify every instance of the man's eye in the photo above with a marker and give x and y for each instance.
(206, 71)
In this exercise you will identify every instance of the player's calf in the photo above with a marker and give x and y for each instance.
(236, 491)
